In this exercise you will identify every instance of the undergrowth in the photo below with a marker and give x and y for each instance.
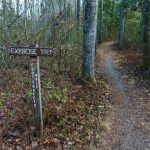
(74, 113)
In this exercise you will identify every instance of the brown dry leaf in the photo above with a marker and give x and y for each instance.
(17, 140)
(54, 141)
(33, 128)
(34, 144)
(2, 94)
(71, 101)
(73, 97)
(2, 114)
(51, 141)
(28, 148)
(79, 87)
(19, 148)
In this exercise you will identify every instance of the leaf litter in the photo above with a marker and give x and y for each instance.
(74, 113)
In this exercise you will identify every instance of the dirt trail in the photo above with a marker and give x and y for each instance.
(128, 129)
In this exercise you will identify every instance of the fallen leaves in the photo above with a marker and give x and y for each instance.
(51, 141)
(70, 125)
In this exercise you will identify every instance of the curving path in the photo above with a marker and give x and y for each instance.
(128, 129)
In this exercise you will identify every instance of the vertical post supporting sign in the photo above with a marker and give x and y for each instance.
(34, 53)
(36, 92)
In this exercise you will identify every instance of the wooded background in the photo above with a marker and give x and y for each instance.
(59, 24)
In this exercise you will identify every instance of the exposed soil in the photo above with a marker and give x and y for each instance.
(130, 119)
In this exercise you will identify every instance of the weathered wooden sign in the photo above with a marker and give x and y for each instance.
(36, 92)
(31, 51)
(34, 53)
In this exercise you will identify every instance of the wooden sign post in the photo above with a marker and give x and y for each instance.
(36, 92)
(34, 53)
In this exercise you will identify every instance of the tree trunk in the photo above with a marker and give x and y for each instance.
(89, 38)
(4, 6)
(33, 16)
(112, 17)
(83, 6)
(78, 14)
(25, 13)
(101, 20)
(25, 18)
(10, 4)
(121, 25)
(38, 10)
(18, 1)
(145, 49)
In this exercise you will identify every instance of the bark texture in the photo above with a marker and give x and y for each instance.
(78, 14)
(89, 38)
(101, 20)
(121, 25)
(146, 51)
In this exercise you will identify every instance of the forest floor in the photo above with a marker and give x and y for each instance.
(130, 117)
(74, 111)
(112, 114)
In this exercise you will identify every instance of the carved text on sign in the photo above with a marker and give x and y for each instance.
(34, 83)
(31, 51)
(23, 51)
